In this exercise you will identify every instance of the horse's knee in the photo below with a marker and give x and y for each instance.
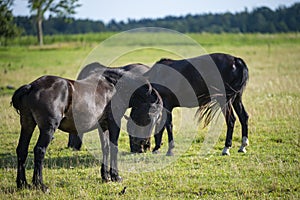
(39, 153)
(21, 154)
(106, 150)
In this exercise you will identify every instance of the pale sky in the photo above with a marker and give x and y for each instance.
(138, 9)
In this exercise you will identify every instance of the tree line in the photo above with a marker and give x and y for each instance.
(38, 8)
(262, 20)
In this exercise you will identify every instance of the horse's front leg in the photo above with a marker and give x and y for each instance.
(114, 131)
(158, 138)
(39, 155)
(27, 129)
(169, 127)
(104, 139)
(158, 133)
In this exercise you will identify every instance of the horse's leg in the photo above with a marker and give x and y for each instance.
(158, 133)
(75, 141)
(230, 120)
(46, 134)
(169, 127)
(114, 131)
(104, 139)
(158, 138)
(27, 127)
(243, 118)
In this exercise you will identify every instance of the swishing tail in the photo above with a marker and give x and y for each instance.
(208, 111)
(17, 97)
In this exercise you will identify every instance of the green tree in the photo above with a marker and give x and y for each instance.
(8, 29)
(58, 7)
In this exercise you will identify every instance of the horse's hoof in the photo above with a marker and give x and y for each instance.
(23, 185)
(225, 151)
(116, 178)
(105, 175)
(170, 153)
(45, 189)
(105, 179)
(155, 152)
(242, 150)
(74, 148)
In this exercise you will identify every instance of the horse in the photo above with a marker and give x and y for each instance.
(214, 80)
(99, 101)
(75, 140)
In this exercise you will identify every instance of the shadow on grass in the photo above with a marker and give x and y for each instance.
(9, 160)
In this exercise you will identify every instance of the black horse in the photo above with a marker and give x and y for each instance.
(75, 140)
(207, 81)
(99, 101)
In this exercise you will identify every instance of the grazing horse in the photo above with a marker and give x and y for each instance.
(215, 80)
(99, 101)
(75, 140)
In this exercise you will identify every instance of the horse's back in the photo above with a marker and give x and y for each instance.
(97, 68)
(136, 68)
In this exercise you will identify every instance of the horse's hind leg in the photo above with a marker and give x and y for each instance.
(27, 127)
(243, 117)
(230, 120)
(45, 137)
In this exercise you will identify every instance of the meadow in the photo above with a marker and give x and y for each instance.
(269, 170)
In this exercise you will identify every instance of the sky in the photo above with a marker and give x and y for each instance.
(139, 9)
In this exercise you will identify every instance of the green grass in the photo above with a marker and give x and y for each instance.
(269, 170)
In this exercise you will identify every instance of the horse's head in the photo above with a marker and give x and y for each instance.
(145, 113)
(135, 91)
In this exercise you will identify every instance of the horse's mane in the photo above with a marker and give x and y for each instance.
(119, 77)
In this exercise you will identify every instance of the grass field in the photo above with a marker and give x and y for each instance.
(269, 170)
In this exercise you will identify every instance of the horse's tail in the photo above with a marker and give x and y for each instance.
(207, 112)
(17, 97)
(211, 106)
